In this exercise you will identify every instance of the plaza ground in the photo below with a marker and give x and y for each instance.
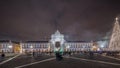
(74, 61)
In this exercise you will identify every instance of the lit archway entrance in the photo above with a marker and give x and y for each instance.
(57, 41)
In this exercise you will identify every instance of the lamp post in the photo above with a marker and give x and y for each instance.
(32, 51)
(68, 47)
(10, 47)
(31, 47)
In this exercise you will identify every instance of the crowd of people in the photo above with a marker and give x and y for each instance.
(58, 53)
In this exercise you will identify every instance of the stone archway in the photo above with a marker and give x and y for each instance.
(57, 38)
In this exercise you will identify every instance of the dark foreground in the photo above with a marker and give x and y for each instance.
(71, 63)
(67, 62)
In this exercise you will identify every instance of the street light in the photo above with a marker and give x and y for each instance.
(31, 47)
(10, 47)
(102, 46)
(67, 48)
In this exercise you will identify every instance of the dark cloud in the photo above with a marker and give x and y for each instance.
(38, 19)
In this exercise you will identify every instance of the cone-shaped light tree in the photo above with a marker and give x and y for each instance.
(114, 44)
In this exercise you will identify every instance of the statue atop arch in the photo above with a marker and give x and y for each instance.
(57, 37)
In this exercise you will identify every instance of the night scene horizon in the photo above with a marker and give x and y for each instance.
(59, 34)
(76, 19)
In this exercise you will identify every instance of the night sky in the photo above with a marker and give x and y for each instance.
(36, 20)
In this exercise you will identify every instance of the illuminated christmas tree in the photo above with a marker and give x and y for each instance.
(114, 43)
